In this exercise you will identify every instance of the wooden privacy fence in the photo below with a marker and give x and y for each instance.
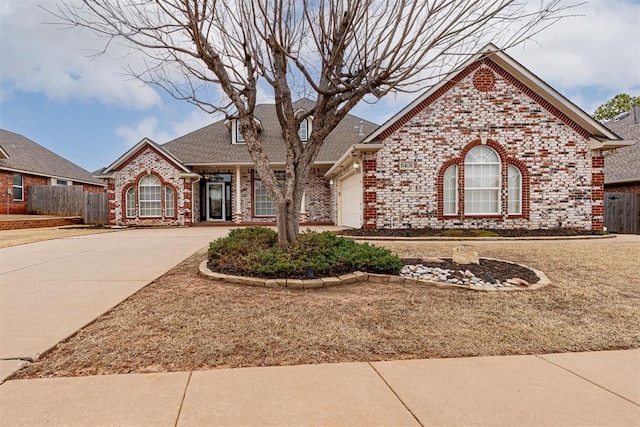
(622, 212)
(67, 201)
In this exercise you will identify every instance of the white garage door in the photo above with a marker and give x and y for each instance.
(351, 201)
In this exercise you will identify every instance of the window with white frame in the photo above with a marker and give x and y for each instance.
(450, 190)
(62, 182)
(150, 196)
(514, 193)
(131, 202)
(482, 181)
(262, 205)
(18, 186)
(169, 202)
(303, 130)
(239, 139)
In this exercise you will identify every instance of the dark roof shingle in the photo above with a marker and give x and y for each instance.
(212, 144)
(624, 165)
(24, 155)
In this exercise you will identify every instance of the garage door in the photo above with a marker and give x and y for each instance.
(351, 201)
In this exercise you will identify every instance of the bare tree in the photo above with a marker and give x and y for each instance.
(217, 54)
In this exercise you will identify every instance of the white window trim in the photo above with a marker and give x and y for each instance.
(497, 190)
(256, 179)
(148, 202)
(444, 191)
(127, 207)
(236, 136)
(307, 122)
(509, 189)
(14, 186)
(169, 207)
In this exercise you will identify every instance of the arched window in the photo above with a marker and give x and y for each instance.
(169, 202)
(131, 202)
(150, 195)
(482, 181)
(450, 190)
(514, 195)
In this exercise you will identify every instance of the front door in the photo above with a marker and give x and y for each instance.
(215, 201)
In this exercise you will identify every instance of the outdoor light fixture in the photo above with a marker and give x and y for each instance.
(331, 181)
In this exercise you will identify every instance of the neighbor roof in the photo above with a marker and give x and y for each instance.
(212, 145)
(624, 165)
(25, 156)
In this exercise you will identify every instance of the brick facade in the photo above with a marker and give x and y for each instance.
(10, 206)
(561, 184)
(148, 161)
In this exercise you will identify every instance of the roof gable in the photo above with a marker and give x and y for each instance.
(211, 145)
(20, 154)
(137, 149)
(512, 71)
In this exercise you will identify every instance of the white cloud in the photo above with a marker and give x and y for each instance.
(599, 49)
(161, 131)
(45, 58)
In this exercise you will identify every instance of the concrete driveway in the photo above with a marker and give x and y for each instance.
(50, 289)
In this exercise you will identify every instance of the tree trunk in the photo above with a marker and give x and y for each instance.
(288, 216)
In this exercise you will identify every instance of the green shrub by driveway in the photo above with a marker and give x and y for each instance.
(255, 251)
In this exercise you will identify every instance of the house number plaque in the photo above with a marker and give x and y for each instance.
(406, 165)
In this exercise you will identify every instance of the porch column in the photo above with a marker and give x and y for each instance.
(237, 216)
(303, 210)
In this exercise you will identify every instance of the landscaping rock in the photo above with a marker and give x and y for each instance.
(465, 254)
(488, 279)
(518, 282)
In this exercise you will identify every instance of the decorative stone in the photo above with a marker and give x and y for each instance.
(465, 254)
(487, 278)
(428, 259)
(253, 281)
(518, 282)
(275, 283)
(468, 274)
(349, 278)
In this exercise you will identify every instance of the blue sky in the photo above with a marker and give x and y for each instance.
(88, 111)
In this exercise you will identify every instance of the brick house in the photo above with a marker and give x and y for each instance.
(490, 146)
(208, 175)
(23, 163)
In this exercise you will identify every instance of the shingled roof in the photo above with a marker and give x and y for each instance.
(624, 165)
(212, 145)
(25, 156)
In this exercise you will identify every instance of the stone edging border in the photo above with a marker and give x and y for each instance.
(358, 276)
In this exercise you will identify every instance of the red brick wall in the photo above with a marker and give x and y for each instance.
(631, 187)
(6, 183)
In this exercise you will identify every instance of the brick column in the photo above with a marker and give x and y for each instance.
(370, 195)
(187, 194)
(111, 201)
(597, 192)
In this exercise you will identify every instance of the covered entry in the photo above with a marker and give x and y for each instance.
(216, 197)
(350, 200)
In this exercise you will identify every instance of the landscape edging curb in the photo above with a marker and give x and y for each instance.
(358, 276)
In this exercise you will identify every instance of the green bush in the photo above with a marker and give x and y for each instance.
(254, 251)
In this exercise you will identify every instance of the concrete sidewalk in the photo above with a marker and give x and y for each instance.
(601, 388)
(50, 289)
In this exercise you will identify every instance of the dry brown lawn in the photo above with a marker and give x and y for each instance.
(32, 235)
(184, 322)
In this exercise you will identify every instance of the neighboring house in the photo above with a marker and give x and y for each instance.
(622, 168)
(490, 146)
(23, 163)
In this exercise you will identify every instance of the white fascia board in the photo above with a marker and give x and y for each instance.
(352, 150)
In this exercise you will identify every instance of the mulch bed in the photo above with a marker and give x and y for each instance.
(431, 232)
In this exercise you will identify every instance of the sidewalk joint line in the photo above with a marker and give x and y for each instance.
(44, 262)
(23, 359)
(539, 356)
(396, 394)
(184, 395)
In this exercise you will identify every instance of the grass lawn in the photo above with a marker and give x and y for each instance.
(184, 322)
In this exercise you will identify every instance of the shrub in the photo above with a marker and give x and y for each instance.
(254, 251)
